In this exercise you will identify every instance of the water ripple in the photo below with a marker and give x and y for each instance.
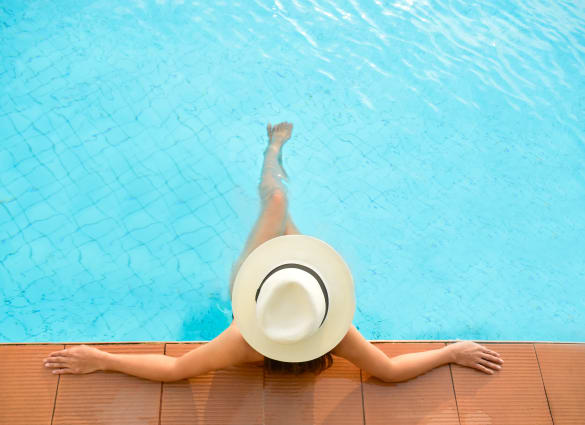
(460, 122)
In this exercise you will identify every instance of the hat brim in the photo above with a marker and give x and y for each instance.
(311, 252)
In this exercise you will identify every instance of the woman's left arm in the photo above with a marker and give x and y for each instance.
(355, 348)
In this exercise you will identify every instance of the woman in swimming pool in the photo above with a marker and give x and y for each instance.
(231, 348)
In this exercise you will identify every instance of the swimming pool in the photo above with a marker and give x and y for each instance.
(440, 148)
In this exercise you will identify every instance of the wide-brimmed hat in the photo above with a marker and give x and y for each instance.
(293, 298)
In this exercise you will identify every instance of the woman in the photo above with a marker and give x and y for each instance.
(231, 348)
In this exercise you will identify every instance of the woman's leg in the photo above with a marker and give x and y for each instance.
(274, 219)
(290, 228)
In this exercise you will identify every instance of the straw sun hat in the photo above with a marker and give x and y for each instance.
(293, 298)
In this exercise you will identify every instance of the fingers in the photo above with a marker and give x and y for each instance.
(55, 364)
(64, 352)
(61, 368)
(488, 351)
(490, 364)
(62, 371)
(492, 358)
(60, 362)
(56, 359)
(484, 369)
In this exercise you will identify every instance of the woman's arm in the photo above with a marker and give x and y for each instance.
(156, 367)
(355, 348)
(85, 359)
(227, 349)
(407, 366)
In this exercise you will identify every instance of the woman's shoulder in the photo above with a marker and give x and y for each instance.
(349, 342)
(251, 355)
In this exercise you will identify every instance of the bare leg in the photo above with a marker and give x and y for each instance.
(290, 228)
(274, 219)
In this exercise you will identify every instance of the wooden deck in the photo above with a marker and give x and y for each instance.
(540, 383)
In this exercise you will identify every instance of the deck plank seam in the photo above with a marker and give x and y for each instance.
(56, 395)
(543, 385)
(363, 404)
(160, 406)
(454, 394)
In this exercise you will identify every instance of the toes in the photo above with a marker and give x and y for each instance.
(282, 127)
(269, 130)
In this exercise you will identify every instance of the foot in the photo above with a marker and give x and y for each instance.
(279, 134)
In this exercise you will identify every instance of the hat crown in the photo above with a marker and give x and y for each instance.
(290, 306)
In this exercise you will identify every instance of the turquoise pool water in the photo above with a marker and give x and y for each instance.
(438, 146)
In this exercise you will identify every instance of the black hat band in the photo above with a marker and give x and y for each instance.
(306, 269)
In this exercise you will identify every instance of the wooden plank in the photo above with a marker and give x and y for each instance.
(228, 396)
(512, 395)
(426, 399)
(563, 370)
(27, 389)
(333, 397)
(109, 397)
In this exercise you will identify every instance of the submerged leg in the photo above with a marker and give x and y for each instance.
(273, 175)
(290, 228)
(274, 219)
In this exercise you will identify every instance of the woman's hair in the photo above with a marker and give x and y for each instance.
(315, 366)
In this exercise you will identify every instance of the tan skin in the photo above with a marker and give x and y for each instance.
(229, 348)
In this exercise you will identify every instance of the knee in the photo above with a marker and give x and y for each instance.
(278, 197)
(276, 200)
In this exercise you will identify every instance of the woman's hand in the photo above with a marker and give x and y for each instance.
(470, 354)
(76, 360)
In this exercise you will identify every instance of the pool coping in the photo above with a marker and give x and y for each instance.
(374, 341)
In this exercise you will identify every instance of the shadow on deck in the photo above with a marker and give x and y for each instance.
(540, 383)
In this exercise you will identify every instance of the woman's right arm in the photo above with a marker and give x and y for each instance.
(227, 349)
(365, 355)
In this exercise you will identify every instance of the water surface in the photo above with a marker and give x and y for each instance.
(438, 146)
